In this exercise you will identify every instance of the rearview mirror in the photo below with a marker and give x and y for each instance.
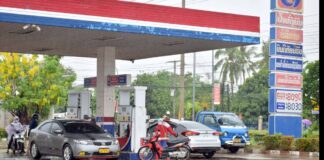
(58, 131)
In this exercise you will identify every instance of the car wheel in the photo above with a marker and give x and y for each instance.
(209, 154)
(34, 152)
(67, 152)
(233, 149)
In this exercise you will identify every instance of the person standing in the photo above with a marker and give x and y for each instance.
(34, 122)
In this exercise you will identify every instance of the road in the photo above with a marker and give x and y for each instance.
(218, 156)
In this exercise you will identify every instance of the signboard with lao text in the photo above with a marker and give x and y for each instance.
(113, 80)
(217, 95)
(285, 64)
(286, 35)
(288, 5)
(286, 49)
(285, 101)
(286, 80)
(90, 82)
(286, 19)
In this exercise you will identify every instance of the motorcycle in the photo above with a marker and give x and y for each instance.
(18, 142)
(177, 149)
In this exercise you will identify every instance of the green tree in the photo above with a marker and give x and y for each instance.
(263, 63)
(311, 96)
(27, 85)
(251, 100)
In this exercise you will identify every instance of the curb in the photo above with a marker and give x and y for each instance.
(292, 153)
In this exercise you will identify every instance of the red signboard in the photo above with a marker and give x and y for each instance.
(287, 19)
(287, 35)
(217, 94)
(288, 80)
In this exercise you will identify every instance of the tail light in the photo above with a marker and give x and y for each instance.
(190, 133)
(217, 133)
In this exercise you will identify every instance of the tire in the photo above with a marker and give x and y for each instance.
(67, 152)
(209, 155)
(145, 153)
(233, 149)
(187, 150)
(34, 152)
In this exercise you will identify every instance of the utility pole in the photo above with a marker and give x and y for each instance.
(182, 89)
(174, 87)
(193, 87)
(212, 82)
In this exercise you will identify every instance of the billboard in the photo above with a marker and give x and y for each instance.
(90, 82)
(285, 101)
(286, 80)
(113, 80)
(217, 93)
(288, 5)
(286, 49)
(286, 19)
(286, 65)
(286, 35)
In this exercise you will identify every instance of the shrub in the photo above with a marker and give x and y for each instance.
(3, 133)
(257, 136)
(286, 143)
(307, 144)
(272, 142)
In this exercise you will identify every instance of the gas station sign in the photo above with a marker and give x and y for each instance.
(286, 19)
(288, 5)
(286, 80)
(286, 101)
(285, 64)
(286, 35)
(286, 49)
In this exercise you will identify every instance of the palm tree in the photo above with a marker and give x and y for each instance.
(235, 64)
(263, 63)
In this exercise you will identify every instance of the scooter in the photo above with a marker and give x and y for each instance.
(18, 142)
(177, 149)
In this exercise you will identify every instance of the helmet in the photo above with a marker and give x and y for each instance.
(166, 118)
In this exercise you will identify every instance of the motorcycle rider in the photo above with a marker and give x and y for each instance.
(13, 128)
(164, 128)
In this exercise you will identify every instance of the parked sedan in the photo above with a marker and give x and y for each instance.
(202, 139)
(72, 139)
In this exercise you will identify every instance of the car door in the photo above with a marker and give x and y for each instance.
(42, 140)
(57, 140)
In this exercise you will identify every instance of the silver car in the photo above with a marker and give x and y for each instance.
(72, 139)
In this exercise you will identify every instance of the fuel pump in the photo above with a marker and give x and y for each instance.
(130, 120)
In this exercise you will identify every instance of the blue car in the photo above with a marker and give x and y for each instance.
(235, 134)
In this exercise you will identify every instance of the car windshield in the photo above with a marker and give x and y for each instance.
(230, 120)
(190, 125)
(81, 127)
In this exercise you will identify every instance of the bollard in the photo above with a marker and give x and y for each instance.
(260, 121)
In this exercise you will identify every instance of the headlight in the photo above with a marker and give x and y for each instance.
(115, 142)
(225, 134)
(85, 142)
(246, 134)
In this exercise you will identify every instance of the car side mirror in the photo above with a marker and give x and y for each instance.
(220, 121)
(58, 131)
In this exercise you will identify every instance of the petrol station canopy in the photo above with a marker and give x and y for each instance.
(137, 30)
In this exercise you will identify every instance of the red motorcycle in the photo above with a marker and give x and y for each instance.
(152, 149)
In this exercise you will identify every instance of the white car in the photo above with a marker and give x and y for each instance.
(202, 138)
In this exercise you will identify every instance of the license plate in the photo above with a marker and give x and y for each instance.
(237, 140)
(103, 150)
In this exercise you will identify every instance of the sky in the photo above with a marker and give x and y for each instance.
(86, 67)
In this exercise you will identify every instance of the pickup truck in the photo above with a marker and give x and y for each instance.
(235, 134)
